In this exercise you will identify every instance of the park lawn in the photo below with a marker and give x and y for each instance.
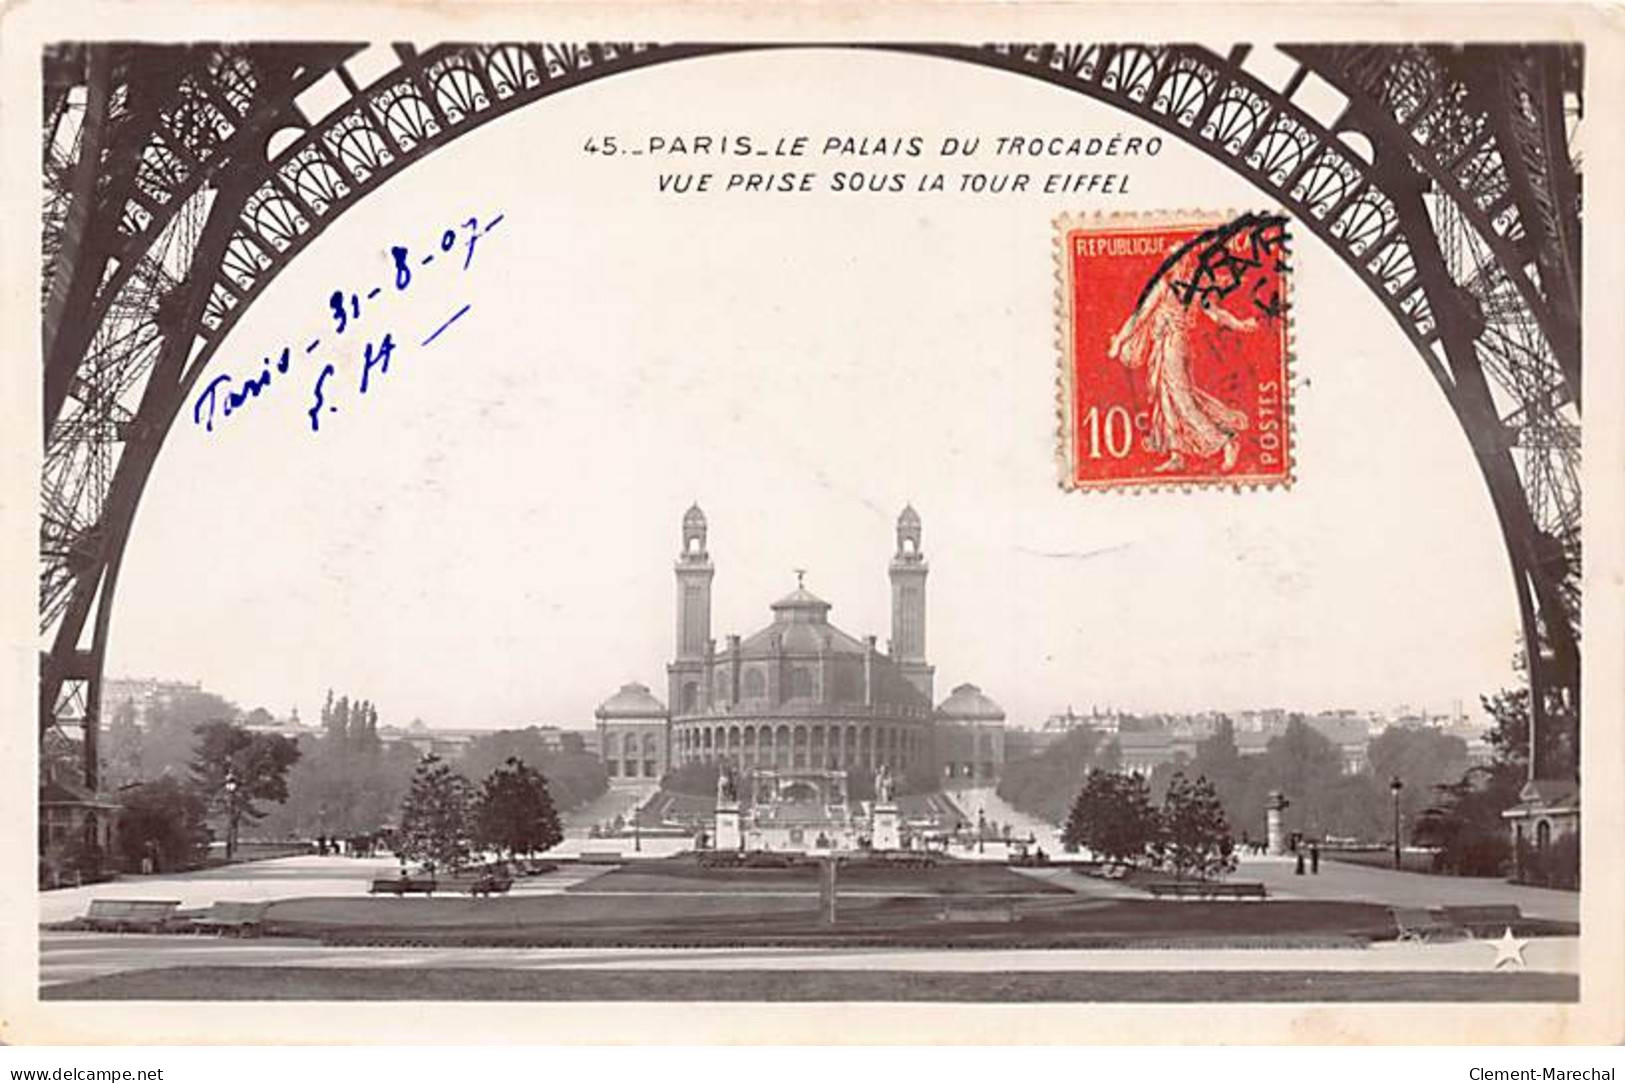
(747, 919)
(558, 984)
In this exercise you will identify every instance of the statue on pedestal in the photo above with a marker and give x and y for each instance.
(885, 789)
(727, 787)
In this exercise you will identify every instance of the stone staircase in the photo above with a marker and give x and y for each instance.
(997, 810)
(619, 800)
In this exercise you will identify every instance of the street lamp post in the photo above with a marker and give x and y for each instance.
(1394, 786)
(231, 813)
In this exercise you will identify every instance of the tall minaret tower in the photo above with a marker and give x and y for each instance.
(694, 571)
(908, 571)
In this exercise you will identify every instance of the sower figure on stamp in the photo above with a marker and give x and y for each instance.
(1159, 336)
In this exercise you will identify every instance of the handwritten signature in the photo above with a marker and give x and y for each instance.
(225, 395)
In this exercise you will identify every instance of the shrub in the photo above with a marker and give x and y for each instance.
(167, 816)
(1556, 866)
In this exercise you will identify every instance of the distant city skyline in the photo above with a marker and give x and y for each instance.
(312, 719)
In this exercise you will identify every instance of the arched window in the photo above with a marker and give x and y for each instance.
(801, 682)
(755, 684)
(1543, 834)
(691, 696)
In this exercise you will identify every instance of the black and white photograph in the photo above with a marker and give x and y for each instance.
(695, 516)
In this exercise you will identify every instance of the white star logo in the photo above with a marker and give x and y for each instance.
(1509, 951)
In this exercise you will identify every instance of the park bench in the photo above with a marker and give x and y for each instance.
(1489, 920)
(481, 883)
(1187, 889)
(126, 915)
(1415, 924)
(239, 918)
(402, 884)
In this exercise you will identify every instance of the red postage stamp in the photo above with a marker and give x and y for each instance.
(1174, 351)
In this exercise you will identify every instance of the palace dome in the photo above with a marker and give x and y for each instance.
(634, 700)
(800, 626)
(969, 703)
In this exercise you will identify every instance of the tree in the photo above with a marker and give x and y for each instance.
(1303, 764)
(435, 822)
(1113, 818)
(1046, 784)
(349, 782)
(170, 733)
(364, 730)
(234, 768)
(514, 813)
(1465, 821)
(573, 778)
(165, 819)
(1420, 757)
(1195, 837)
(61, 758)
(336, 721)
(122, 747)
(1559, 743)
(1466, 825)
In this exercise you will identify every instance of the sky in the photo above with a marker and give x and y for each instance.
(486, 538)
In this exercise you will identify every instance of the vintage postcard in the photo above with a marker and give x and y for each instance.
(1047, 522)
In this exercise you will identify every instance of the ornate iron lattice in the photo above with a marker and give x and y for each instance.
(1441, 180)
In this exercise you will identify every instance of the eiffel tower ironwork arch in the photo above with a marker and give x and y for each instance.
(180, 180)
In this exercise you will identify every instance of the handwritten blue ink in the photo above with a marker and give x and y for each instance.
(207, 396)
(336, 304)
(315, 410)
(380, 357)
(403, 271)
(225, 394)
(455, 316)
(233, 400)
